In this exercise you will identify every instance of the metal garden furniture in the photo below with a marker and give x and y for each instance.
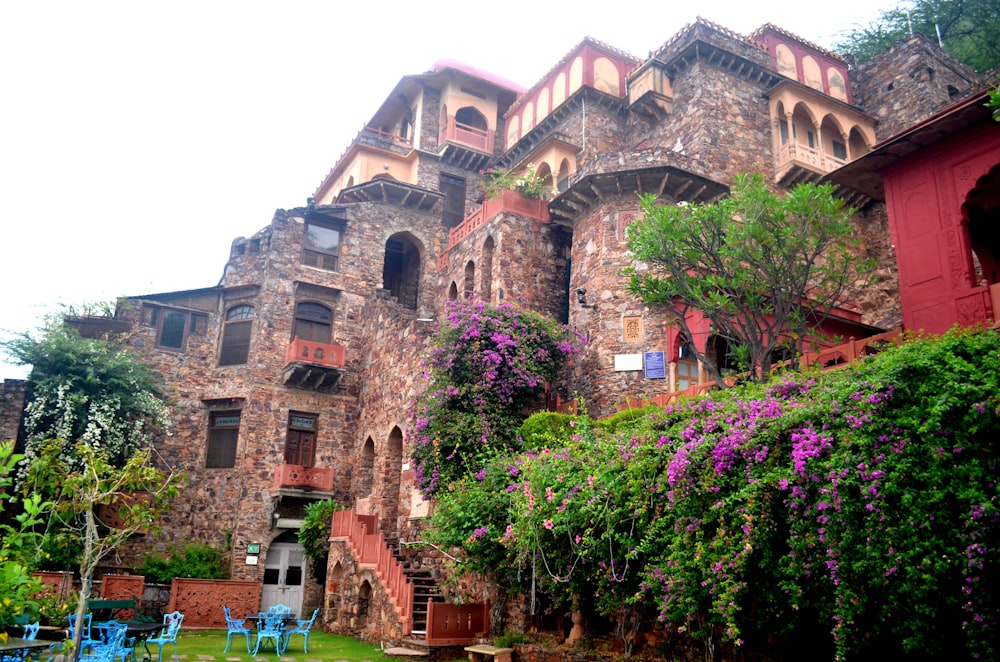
(19, 654)
(109, 631)
(108, 650)
(301, 627)
(271, 630)
(172, 625)
(235, 626)
(86, 639)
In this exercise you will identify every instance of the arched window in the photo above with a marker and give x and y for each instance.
(470, 279)
(236, 335)
(453, 291)
(401, 269)
(313, 321)
(486, 275)
(367, 468)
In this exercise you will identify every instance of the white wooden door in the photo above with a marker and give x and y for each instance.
(284, 570)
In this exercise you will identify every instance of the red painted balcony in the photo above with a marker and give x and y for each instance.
(292, 476)
(510, 201)
(307, 351)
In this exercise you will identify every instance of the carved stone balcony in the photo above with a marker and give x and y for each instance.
(295, 477)
(796, 163)
(313, 366)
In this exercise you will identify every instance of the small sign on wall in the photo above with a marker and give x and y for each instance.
(625, 362)
(632, 329)
(656, 368)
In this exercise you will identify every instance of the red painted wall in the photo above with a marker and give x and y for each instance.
(924, 196)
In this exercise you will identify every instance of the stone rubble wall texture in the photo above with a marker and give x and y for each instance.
(909, 82)
(719, 125)
(12, 392)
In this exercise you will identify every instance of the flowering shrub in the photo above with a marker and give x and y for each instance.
(529, 184)
(487, 365)
(854, 512)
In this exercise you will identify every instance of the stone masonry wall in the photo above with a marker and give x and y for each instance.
(12, 393)
(909, 82)
(599, 253)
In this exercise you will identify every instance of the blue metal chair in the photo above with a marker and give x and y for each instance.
(235, 627)
(109, 649)
(279, 608)
(271, 629)
(168, 635)
(86, 638)
(109, 633)
(302, 627)
(29, 631)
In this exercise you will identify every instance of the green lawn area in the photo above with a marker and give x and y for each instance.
(207, 645)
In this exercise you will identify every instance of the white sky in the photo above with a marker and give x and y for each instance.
(138, 138)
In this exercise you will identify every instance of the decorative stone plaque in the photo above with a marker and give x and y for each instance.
(632, 329)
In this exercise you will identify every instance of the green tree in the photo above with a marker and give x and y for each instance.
(88, 389)
(764, 269)
(967, 29)
(93, 411)
(138, 493)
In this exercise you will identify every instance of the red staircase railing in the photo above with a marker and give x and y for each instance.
(372, 551)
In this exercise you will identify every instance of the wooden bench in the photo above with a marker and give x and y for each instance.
(483, 652)
(112, 607)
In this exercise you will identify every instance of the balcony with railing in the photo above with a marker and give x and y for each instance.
(794, 156)
(465, 146)
(369, 136)
(509, 201)
(313, 365)
(295, 477)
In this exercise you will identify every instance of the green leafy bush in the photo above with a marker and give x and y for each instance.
(853, 513)
(546, 429)
(314, 535)
(193, 559)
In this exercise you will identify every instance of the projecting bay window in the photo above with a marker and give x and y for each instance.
(300, 442)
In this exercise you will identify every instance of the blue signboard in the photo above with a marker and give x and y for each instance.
(655, 366)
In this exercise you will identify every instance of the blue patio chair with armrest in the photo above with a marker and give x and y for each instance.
(168, 635)
(86, 638)
(108, 649)
(279, 608)
(271, 630)
(109, 637)
(301, 627)
(235, 626)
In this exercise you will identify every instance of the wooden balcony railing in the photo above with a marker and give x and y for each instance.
(307, 351)
(480, 140)
(293, 476)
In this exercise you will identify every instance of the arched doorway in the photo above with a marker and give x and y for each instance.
(284, 573)
(981, 216)
(401, 269)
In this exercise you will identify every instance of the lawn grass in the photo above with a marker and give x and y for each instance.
(207, 645)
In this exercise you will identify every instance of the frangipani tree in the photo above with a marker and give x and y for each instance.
(764, 269)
